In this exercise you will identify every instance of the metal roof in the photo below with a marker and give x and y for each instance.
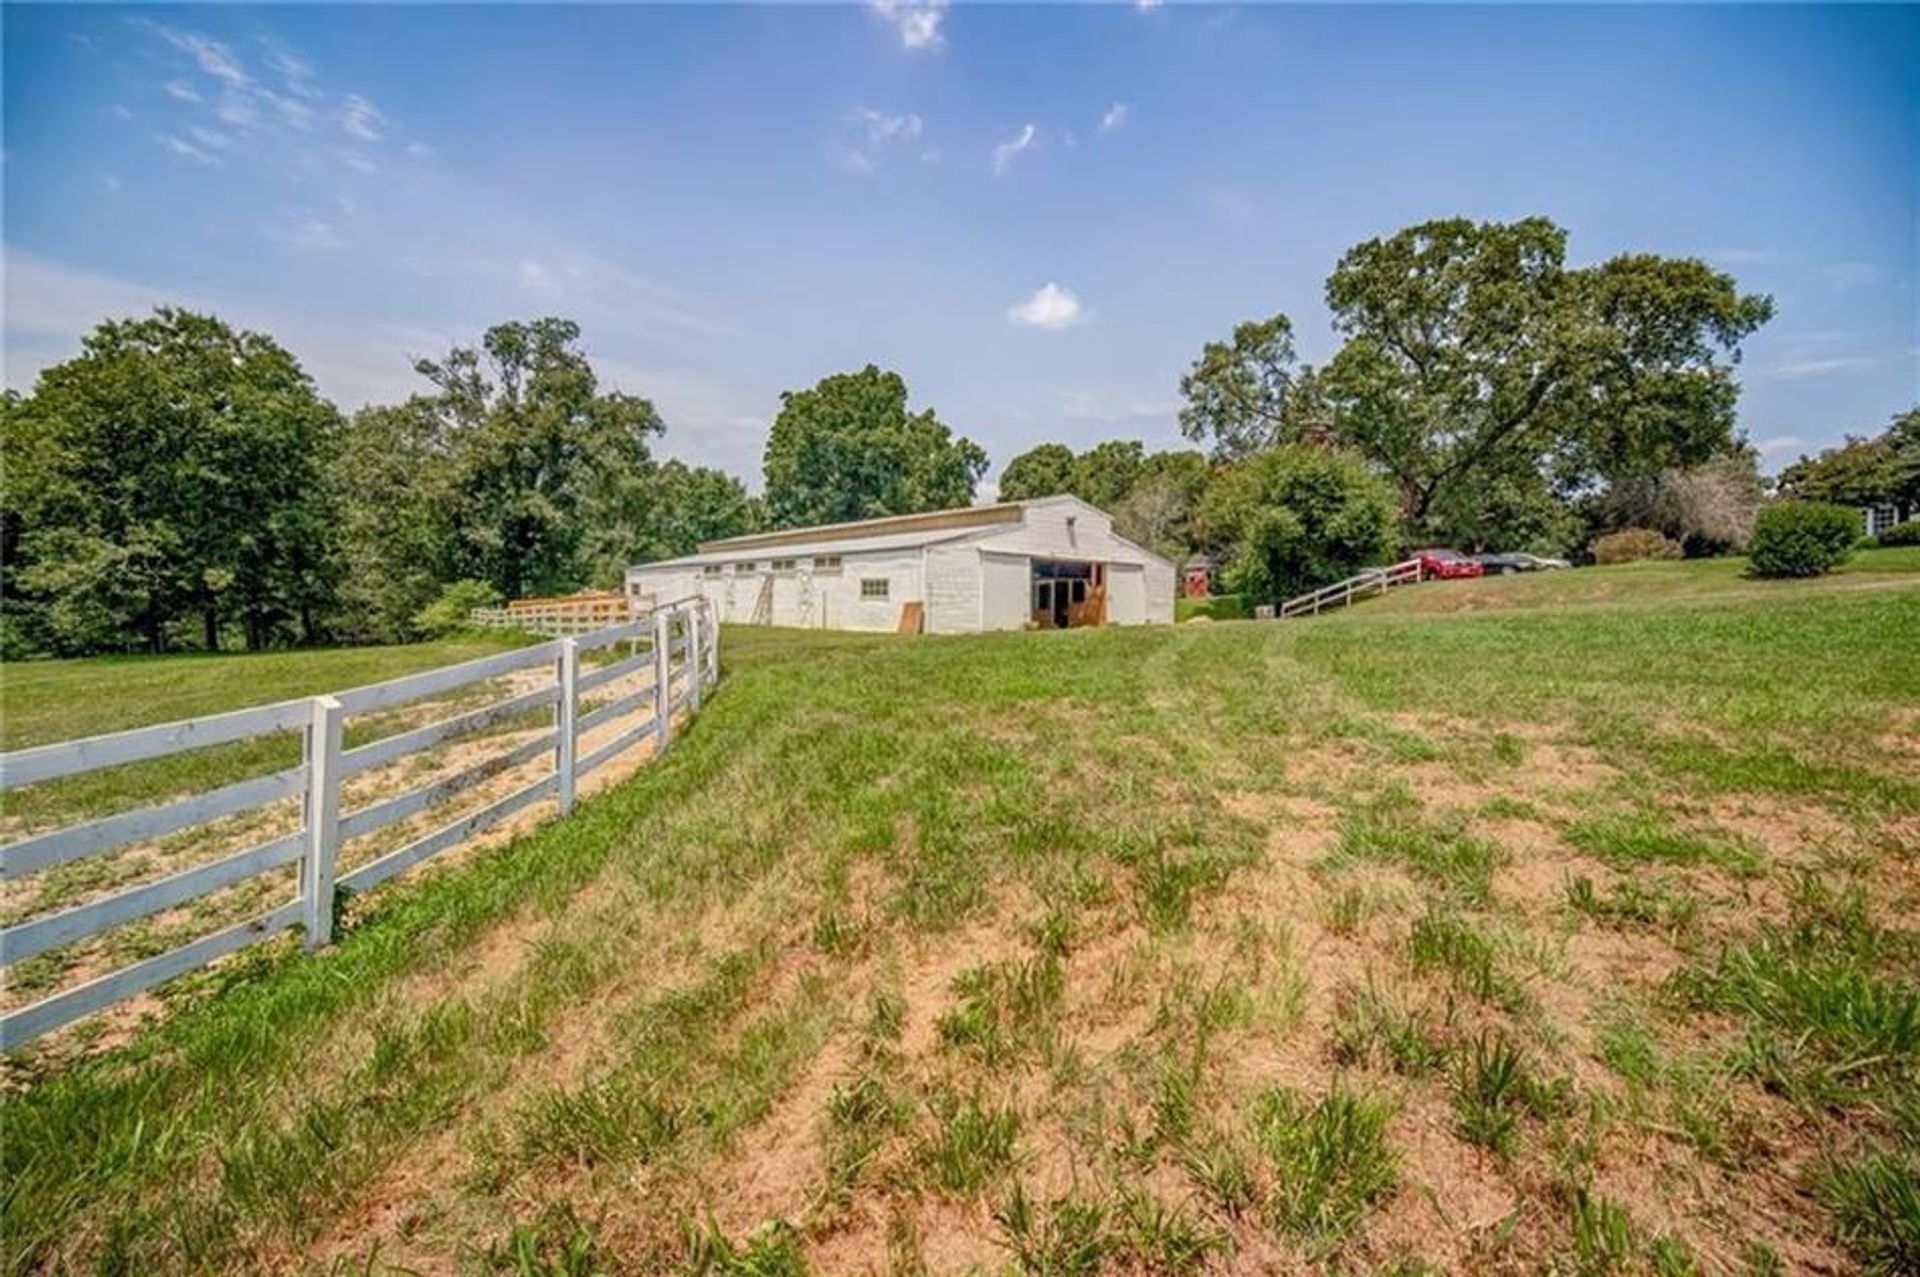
(845, 543)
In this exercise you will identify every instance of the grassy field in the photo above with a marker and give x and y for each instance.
(46, 701)
(1544, 924)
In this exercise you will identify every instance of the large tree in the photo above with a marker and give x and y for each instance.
(848, 449)
(173, 470)
(393, 475)
(686, 505)
(1472, 350)
(1162, 510)
(1237, 391)
(538, 453)
(1042, 471)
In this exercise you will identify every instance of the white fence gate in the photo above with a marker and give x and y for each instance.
(677, 646)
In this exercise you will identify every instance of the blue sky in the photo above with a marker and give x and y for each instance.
(1037, 214)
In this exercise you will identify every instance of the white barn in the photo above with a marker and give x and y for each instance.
(1051, 562)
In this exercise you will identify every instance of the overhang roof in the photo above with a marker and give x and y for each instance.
(962, 517)
(713, 553)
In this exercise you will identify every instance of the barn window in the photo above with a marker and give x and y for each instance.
(712, 569)
(873, 588)
(783, 565)
(826, 563)
(745, 567)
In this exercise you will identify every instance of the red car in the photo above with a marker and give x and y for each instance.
(1446, 564)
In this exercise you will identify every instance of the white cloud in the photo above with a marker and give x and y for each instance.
(237, 111)
(1051, 306)
(1003, 154)
(1086, 405)
(180, 146)
(1115, 118)
(315, 237)
(880, 130)
(882, 127)
(1800, 369)
(1779, 444)
(258, 122)
(294, 71)
(1146, 6)
(1851, 274)
(50, 306)
(917, 21)
(209, 138)
(1231, 207)
(361, 118)
(537, 278)
(214, 58)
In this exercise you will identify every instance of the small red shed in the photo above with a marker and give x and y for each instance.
(1197, 577)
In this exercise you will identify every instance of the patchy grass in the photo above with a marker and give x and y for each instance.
(1234, 947)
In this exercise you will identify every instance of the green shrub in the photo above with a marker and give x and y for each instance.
(1217, 607)
(448, 613)
(1899, 534)
(1299, 517)
(1634, 545)
(1801, 538)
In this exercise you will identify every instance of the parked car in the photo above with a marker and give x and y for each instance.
(1501, 564)
(1437, 561)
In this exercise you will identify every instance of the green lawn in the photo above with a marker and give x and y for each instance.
(46, 701)
(1652, 585)
(1569, 931)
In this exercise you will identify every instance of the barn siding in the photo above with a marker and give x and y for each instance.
(825, 600)
(1159, 601)
(1127, 594)
(953, 589)
(980, 581)
(1007, 583)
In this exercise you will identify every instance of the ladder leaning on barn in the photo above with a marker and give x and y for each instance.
(1341, 593)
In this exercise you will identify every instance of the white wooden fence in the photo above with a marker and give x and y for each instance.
(1341, 593)
(677, 644)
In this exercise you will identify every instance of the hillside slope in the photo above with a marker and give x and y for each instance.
(1655, 585)
(1576, 936)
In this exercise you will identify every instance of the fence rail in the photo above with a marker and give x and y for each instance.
(681, 655)
(576, 614)
(1341, 593)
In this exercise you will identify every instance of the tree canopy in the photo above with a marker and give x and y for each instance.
(172, 470)
(1237, 391)
(538, 453)
(1879, 470)
(1472, 350)
(848, 449)
(1042, 471)
(1151, 496)
(1300, 516)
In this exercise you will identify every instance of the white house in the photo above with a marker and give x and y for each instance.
(1051, 562)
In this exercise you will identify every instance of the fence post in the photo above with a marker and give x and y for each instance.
(662, 682)
(695, 661)
(323, 819)
(568, 676)
(712, 671)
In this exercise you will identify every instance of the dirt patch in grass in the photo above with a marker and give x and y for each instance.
(1452, 1195)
